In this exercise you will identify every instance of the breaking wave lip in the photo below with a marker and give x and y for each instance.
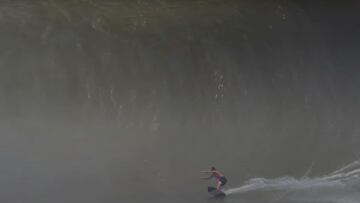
(342, 185)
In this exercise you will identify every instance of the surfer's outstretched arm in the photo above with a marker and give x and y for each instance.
(206, 171)
(210, 176)
(207, 177)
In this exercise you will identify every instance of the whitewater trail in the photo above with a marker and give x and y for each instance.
(342, 185)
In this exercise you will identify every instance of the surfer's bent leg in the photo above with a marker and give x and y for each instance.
(222, 181)
(218, 185)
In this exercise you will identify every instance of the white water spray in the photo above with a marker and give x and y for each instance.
(342, 185)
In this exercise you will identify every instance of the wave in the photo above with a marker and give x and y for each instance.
(340, 186)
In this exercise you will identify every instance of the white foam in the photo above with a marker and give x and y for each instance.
(338, 186)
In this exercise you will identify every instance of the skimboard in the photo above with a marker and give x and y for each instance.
(215, 192)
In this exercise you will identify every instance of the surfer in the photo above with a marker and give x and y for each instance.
(216, 174)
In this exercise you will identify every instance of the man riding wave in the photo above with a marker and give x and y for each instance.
(216, 174)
